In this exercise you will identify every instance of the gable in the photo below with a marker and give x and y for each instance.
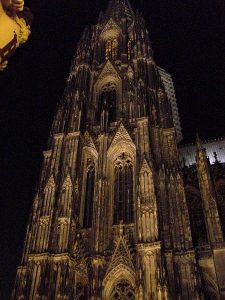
(121, 143)
(110, 31)
(67, 182)
(121, 135)
(88, 141)
(130, 72)
(145, 168)
(108, 70)
(121, 255)
(50, 182)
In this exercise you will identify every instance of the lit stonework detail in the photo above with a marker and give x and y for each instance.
(111, 49)
(110, 218)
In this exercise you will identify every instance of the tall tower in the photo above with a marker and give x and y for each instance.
(110, 218)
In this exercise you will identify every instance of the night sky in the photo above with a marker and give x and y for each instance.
(188, 40)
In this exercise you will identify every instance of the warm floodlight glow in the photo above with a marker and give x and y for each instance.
(14, 28)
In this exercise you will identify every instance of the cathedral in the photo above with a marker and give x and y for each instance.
(117, 213)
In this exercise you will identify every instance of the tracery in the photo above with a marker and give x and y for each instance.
(123, 291)
(111, 49)
(108, 101)
(123, 190)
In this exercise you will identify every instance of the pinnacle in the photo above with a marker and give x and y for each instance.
(199, 146)
(198, 142)
(119, 9)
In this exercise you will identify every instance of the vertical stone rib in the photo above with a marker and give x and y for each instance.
(128, 144)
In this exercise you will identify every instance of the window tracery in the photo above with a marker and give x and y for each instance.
(108, 101)
(123, 190)
(123, 291)
(111, 49)
(89, 194)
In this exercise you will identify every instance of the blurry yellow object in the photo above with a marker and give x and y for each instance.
(14, 28)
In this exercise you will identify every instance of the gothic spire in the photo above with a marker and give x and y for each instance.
(119, 9)
(112, 155)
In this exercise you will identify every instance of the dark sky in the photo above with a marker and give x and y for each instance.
(188, 40)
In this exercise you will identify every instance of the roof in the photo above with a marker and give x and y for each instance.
(188, 152)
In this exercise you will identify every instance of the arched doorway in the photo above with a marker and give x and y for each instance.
(120, 284)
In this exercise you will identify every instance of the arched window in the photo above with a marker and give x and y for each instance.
(123, 190)
(111, 49)
(89, 194)
(123, 291)
(107, 101)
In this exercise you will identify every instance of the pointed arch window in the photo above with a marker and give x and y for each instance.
(108, 101)
(89, 195)
(123, 190)
(111, 49)
(123, 291)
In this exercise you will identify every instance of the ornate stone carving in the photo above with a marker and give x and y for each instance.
(110, 31)
(113, 155)
(88, 141)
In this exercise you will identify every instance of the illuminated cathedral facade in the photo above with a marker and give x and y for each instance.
(116, 215)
